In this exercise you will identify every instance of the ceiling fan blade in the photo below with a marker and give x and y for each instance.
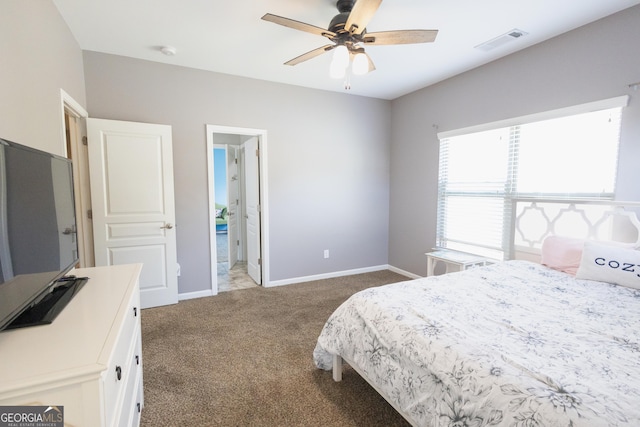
(297, 25)
(400, 37)
(361, 14)
(372, 67)
(311, 54)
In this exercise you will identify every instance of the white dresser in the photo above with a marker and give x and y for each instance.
(89, 360)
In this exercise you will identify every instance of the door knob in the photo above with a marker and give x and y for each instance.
(168, 226)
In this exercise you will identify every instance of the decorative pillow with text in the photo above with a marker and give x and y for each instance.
(611, 264)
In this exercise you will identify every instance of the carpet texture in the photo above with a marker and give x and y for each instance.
(244, 358)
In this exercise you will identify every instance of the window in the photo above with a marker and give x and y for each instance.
(562, 155)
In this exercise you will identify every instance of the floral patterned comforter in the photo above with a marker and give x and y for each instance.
(510, 344)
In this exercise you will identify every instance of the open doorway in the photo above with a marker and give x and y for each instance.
(230, 234)
(237, 207)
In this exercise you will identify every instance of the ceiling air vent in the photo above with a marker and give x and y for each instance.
(501, 40)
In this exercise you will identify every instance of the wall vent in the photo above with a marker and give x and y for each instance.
(501, 40)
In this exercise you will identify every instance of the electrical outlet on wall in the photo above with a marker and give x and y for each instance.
(326, 253)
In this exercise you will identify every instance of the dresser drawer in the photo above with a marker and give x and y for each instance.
(134, 381)
(122, 365)
(134, 421)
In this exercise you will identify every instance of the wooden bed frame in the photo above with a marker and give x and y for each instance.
(534, 220)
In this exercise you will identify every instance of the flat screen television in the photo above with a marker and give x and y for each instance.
(38, 241)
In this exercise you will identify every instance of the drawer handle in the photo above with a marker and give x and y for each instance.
(135, 311)
(137, 359)
(118, 373)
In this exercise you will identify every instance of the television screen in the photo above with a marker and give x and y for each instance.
(38, 242)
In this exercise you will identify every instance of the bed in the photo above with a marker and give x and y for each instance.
(515, 343)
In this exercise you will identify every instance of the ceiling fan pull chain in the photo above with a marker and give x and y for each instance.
(347, 82)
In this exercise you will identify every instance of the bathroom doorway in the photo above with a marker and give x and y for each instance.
(237, 208)
(229, 201)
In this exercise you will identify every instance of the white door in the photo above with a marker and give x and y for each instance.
(131, 174)
(252, 190)
(233, 196)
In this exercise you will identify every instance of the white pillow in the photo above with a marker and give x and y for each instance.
(611, 264)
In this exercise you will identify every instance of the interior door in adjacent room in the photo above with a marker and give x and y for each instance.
(252, 194)
(131, 174)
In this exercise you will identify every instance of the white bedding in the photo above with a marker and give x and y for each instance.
(511, 344)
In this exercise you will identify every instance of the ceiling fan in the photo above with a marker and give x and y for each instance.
(347, 32)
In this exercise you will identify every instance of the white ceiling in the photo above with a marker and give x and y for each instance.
(229, 36)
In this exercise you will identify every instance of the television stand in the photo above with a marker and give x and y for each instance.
(89, 360)
(47, 308)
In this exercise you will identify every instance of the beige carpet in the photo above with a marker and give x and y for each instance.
(244, 358)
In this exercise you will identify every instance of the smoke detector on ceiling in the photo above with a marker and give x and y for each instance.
(501, 40)
(168, 50)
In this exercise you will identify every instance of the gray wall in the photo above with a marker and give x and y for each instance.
(328, 160)
(39, 57)
(595, 62)
(330, 184)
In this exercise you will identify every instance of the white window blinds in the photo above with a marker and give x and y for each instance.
(481, 172)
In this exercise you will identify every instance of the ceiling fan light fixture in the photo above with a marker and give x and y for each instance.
(360, 64)
(340, 56)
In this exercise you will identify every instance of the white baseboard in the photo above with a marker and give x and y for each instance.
(337, 274)
(209, 292)
(404, 273)
(193, 295)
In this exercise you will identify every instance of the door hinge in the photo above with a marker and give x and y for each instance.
(238, 242)
(89, 214)
(258, 152)
(259, 261)
(259, 208)
(85, 140)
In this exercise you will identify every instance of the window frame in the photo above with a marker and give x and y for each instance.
(509, 194)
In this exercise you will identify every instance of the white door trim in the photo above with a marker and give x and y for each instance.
(264, 199)
(80, 163)
(71, 105)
